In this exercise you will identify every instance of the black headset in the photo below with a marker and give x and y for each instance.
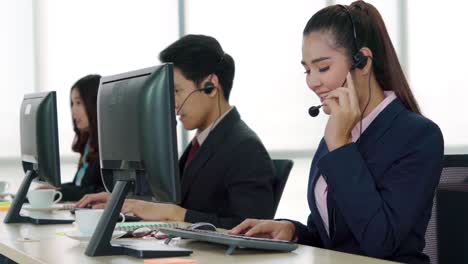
(209, 86)
(359, 59)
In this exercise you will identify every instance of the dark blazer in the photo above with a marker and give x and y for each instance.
(91, 183)
(380, 189)
(230, 177)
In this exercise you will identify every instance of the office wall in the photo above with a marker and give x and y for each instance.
(438, 70)
(16, 69)
(107, 37)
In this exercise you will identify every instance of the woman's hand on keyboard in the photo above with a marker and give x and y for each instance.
(150, 211)
(280, 230)
(96, 200)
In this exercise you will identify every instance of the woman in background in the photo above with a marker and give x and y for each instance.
(83, 103)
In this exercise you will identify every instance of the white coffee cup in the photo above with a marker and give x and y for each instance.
(43, 198)
(4, 186)
(87, 220)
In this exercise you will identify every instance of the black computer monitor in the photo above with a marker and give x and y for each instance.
(137, 144)
(39, 136)
(39, 151)
(137, 129)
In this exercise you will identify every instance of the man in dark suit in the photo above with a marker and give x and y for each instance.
(227, 174)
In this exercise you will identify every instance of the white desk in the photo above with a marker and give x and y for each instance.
(46, 246)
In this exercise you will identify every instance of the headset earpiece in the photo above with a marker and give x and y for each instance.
(208, 88)
(359, 61)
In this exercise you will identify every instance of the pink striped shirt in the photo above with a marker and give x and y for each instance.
(321, 187)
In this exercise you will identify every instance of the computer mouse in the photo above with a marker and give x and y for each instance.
(73, 209)
(130, 218)
(202, 226)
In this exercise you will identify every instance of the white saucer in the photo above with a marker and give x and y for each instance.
(5, 194)
(77, 235)
(54, 207)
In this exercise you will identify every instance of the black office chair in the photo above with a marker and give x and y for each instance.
(283, 168)
(455, 171)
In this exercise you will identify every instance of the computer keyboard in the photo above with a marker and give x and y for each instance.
(129, 227)
(68, 207)
(233, 241)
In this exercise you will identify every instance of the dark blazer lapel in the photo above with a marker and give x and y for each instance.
(207, 150)
(190, 172)
(322, 150)
(314, 172)
(183, 159)
(371, 135)
(379, 126)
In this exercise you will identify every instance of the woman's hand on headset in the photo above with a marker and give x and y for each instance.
(344, 114)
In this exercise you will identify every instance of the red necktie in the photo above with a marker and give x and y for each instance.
(193, 150)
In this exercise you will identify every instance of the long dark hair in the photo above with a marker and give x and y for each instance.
(371, 33)
(88, 89)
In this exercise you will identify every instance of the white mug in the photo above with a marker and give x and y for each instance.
(43, 198)
(4, 186)
(87, 220)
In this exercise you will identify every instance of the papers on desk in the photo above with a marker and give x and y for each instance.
(5, 206)
(130, 226)
(141, 244)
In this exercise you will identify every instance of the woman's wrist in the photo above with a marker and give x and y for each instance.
(291, 229)
(337, 143)
(179, 213)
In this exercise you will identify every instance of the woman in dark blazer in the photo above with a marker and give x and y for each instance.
(83, 99)
(373, 177)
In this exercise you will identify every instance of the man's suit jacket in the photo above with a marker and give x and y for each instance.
(230, 177)
(380, 189)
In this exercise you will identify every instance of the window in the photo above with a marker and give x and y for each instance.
(108, 37)
(16, 69)
(437, 67)
(265, 39)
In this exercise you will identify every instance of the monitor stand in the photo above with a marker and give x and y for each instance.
(14, 216)
(100, 245)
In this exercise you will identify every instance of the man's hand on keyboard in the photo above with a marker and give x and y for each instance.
(150, 211)
(280, 230)
(96, 200)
